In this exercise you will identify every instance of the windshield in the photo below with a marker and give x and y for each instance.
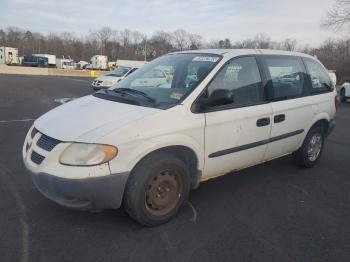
(121, 71)
(167, 80)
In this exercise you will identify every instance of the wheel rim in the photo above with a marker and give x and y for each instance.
(163, 193)
(314, 147)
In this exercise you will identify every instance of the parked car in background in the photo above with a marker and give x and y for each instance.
(81, 65)
(65, 63)
(110, 79)
(344, 92)
(144, 147)
(154, 77)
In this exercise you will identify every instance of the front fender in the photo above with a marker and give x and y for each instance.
(132, 153)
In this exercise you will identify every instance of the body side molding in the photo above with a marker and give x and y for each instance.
(255, 144)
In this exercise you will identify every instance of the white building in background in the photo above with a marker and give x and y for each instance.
(9, 55)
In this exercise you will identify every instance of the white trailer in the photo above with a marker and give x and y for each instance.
(9, 55)
(333, 76)
(51, 59)
(131, 63)
(99, 62)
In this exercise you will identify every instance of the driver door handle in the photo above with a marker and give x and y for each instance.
(263, 122)
(279, 118)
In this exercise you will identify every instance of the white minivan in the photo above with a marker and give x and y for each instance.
(146, 146)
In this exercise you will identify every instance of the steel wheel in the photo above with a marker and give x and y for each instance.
(163, 193)
(314, 147)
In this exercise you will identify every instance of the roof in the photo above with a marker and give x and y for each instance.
(238, 52)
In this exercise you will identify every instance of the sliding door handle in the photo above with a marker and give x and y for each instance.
(263, 122)
(279, 118)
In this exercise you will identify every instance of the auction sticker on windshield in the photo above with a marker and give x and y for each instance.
(212, 59)
(176, 95)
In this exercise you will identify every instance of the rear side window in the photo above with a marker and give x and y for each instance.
(320, 80)
(241, 76)
(287, 77)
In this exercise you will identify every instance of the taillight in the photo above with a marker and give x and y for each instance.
(336, 102)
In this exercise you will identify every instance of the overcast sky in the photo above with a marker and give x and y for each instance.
(213, 19)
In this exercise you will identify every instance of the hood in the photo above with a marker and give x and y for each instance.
(77, 120)
(108, 78)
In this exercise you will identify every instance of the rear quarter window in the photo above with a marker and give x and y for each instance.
(320, 80)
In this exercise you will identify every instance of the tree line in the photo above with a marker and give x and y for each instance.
(131, 45)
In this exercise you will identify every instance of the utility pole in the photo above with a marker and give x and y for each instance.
(145, 49)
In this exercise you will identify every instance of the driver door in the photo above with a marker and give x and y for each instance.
(236, 134)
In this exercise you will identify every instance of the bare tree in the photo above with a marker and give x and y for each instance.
(180, 37)
(125, 37)
(104, 35)
(194, 41)
(338, 16)
(159, 44)
(289, 44)
(2, 38)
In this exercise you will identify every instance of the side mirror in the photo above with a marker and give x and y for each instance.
(219, 97)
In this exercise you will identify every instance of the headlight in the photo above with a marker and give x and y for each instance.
(80, 154)
(107, 83)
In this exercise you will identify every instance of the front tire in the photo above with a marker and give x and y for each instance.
(311, 150)
(156, 189)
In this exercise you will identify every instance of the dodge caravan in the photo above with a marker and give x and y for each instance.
(144, 147)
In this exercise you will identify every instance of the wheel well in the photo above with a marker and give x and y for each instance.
(324, 124)
(188, 156)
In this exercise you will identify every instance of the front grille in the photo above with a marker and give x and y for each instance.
(37, 158)
(97, 83)
(33, 133)
(47, 143)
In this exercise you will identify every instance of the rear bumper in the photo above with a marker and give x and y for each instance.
(83, 194)
(331, 127)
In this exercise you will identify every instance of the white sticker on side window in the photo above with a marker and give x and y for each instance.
(212, 59)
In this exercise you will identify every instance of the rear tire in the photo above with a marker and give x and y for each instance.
(343, 98)
(311, 150)
(156, 189)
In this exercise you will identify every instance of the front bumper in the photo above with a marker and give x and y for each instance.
(96, 87)
(95, 193)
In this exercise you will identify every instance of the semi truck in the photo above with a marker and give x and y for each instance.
(51, 59)
(35, 61)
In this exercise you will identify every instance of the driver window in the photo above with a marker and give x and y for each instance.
(241, 76)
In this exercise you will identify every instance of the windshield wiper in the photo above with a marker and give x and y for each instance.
(126, 90)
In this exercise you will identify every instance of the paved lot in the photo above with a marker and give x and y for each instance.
(271, 212)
